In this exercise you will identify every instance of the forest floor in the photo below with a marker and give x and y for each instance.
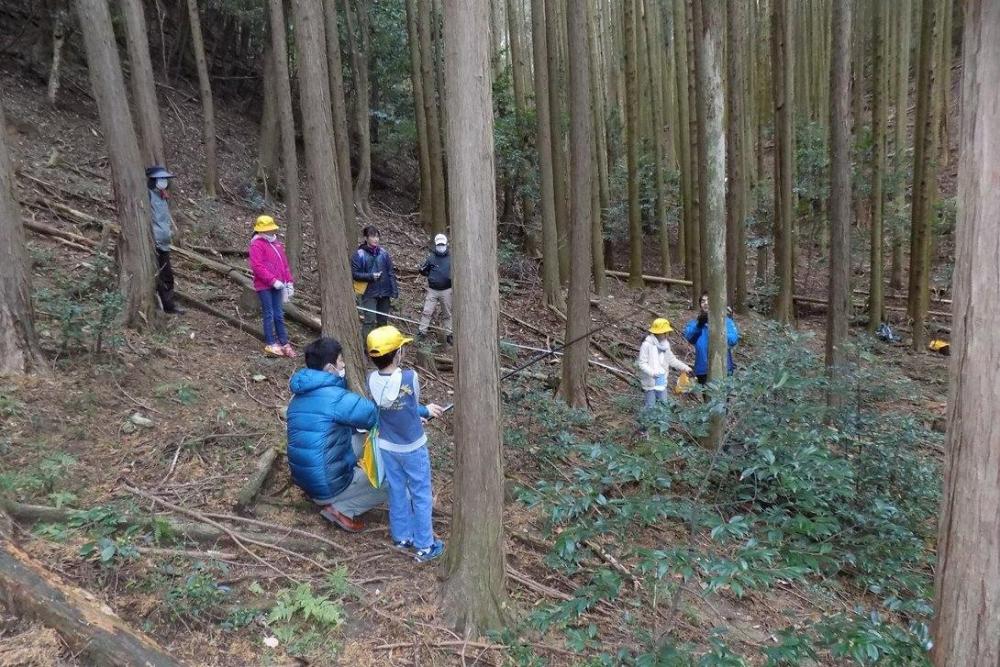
(214, 404)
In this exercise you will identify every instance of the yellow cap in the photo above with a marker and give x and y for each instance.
(660, 325)
(385, 340)
(265, 223)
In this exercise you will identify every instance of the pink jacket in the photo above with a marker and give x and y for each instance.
(268, 263)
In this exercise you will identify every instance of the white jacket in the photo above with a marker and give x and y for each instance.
(655, 361)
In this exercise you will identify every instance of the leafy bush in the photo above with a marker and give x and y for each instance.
(84, 308)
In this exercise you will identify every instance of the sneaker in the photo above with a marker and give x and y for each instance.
(341, 521)
(289, 351)
(402, 545)
(430, 553)
(274, 350)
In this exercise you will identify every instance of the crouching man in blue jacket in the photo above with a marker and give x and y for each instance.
(323, 417)
(696, 333)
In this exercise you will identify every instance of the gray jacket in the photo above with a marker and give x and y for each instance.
(161, 220)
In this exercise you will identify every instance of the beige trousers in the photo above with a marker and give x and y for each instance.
(434, 297)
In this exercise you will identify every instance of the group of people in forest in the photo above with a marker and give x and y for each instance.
(327, 422)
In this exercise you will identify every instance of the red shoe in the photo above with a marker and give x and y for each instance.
(289, 350)
(342, 521)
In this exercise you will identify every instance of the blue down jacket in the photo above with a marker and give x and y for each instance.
(322, 417)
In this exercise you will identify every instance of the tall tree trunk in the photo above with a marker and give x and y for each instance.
(420, 117)
(655, 82)
(736, 190)
(924, 176)
(432, 104)
(712, 162)
(574, 384)
(19, 351)
(687, 181)
(694, 240)
(860, 20)
(876, 286)
(136, 270)
(341, 135)
(781, 83)
(600, 168)
(269, 140)
(475, 597)
(207, 106)
(339, 316)
(944, 82)
(838, 314)
(518, 68)
(632, 147)
(905, 9)
(283, 88)
(559, 164)
(143, 84)
(60, 31)
(967, 585)
(356, 22)
(550, 239)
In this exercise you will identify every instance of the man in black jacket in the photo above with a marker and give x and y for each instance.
(437, 268)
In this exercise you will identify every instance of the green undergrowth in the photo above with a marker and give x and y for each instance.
(838, 504)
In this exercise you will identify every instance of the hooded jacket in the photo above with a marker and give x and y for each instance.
(268, 263)
(365, 262)
(162, 221)
(697, 335)
(322, 417)
(656, 358)
(437, 268)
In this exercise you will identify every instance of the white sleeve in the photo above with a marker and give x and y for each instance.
(674, 362)
(416, 387)
(643, 361)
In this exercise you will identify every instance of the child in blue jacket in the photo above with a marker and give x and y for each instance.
(403, 444)
(696, 333)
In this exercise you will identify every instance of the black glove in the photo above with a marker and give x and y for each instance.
(702, 319)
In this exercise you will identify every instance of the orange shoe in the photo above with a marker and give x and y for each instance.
(342, 521)
(274, 350)
(289, 351)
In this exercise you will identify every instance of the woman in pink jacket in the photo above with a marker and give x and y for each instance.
(272, 279)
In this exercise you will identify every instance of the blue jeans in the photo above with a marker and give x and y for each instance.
(273, 313)
(410, 497)
(654, 395)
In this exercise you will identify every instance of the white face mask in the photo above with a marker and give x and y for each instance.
(342, 372)
(270, 237)
(441, 248)
(162, 183)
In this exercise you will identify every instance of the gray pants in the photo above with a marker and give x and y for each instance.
(434, 297)
(654, 395)
(359, 496)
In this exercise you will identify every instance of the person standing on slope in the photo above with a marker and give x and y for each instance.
(158, 183)
(374, 280)
(437, 268)
(696, 333)
(655, 361)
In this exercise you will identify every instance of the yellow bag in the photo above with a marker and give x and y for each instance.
(684, 384)
(359, 287)
(371, 459)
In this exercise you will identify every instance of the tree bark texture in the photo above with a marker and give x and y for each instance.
(19, 351)
(339, 316)
(136, 270)
(781, 83)
(599, 173)
(419, 116)
(207, 105)
(694, 241)
(356, 22)
(967, 585)
(269, 141)
(687, 178)
(655, 81)
(143, 83)
(338, 104)
(475, 595)
(286, 120)
(876, 298)
(560, 170)
(838, 315)
(574, 384)
(632, 147)
(905, 9)
(736, 177)
(432, 105)
(543, 141)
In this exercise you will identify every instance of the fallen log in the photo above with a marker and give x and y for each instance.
(197, 304)
(814, 301)
(624, 275)
(245, 500)
(89, 627)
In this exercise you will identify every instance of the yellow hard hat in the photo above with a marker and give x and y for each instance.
(265, 223)
(385, 340)
(660, 325)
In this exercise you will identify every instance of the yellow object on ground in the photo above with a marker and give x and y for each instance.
(941, 346)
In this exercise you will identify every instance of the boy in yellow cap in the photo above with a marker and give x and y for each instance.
(655, 361)
(403, 443)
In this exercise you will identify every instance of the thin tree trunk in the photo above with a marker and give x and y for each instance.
(283, 88)
(783, 112)
(60, 31)
(550, 239)
(19, 351)
(876, 300)
(924, 176)
(518, 68)
(694, 235)
(632, 147)
(944, 82)
(269, 141)
(559, 164)
(574, 384)
(967, 585)
(655, 82)
(839, 296)
(432, 104)
(736, 183)
(857, 96)
(357, 36)
(135, 244)
(341, 135)
(905, 9)
(420, 117)
(474, 596)
(687, 181)
(339, 316)
(207, 106)
(143, 83)
(599, 186)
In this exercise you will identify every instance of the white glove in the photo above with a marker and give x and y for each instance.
(277, 284)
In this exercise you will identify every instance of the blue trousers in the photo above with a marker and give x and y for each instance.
(272, 311)
(410, 496)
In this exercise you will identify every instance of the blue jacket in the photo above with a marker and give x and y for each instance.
(698, 336)
(322, 417)
(365, 262)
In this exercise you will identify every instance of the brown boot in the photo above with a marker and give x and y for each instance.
(342, 521)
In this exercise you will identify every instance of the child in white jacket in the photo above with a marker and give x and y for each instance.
(655, 361)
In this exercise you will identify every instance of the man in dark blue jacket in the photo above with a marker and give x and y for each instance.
(323, 446)
(696, 333)
(374, 280)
